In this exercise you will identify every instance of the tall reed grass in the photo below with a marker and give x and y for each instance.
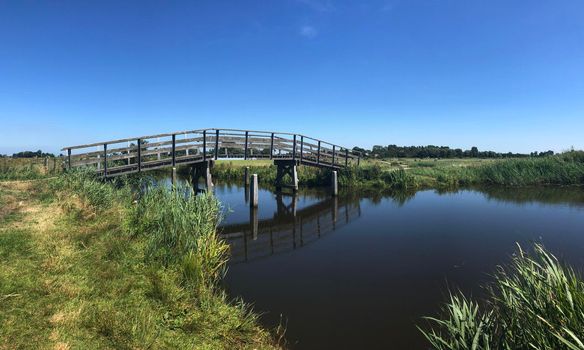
(97, 193)
(562, 169)
(28, 168)
(369, 176)
(535, 303)
(180, 230)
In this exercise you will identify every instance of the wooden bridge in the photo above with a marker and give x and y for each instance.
(199, 148)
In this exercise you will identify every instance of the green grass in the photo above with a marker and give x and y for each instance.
(28, 168)
(535, 303)
(89, 269)
(414, 174)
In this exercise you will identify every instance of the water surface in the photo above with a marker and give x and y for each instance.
(359, 271)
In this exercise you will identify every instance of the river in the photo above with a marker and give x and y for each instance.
(360, 271)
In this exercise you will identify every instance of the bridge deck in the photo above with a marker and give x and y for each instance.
(125, 156)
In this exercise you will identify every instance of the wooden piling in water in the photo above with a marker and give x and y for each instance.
(253, 191)
(246, 176)
(334, 184)
(208, 178)
(173, 176)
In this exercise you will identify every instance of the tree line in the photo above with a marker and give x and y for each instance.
(430, 151)
(29, 154)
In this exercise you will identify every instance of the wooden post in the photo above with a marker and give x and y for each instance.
(318, 154)
(334, 185)
(139, 155)
(358, 160)
(208, 178)
(301, 146)
(272, 147)
(173, 154)
(253, 191)
(294, 178)
(104, 159)
(173, 176)
(69, 158)
(333, 155)
(204, 144)
(346, 157)
(245, 148)
(217, 144)
(294, 148)
(246, 176)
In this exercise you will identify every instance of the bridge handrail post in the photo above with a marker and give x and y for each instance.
(139, 155)
(173, 150)
(69, 158)
(104, 159)
(346, 157)
(245, 148)
(272, 147)
(204, 145)
(301, 147)
(216, 144)
(318, 154)
(294, 148)
(333, 155)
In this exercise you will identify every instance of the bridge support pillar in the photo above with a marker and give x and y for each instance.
(202, 170)
(334, 184)
(286, 167)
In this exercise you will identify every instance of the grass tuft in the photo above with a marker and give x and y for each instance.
(535, 303)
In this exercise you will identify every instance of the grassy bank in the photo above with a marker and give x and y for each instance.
(85, 267)
(535, 303)
(28, 168)
(411, 174)
(373, 177)
(562, 169)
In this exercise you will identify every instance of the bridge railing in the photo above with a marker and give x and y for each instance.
(130, 155)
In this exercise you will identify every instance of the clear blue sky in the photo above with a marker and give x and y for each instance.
(498, 74)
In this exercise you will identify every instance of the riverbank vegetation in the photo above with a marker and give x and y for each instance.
(28, 168)
(411, 174)
(535, 303)
(86, 264)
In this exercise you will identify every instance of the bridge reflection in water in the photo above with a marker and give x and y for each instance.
(290, 228)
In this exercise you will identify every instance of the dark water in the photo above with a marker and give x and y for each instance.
(359, 272)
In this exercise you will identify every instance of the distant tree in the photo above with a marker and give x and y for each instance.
(474, 152)
(363, 151)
